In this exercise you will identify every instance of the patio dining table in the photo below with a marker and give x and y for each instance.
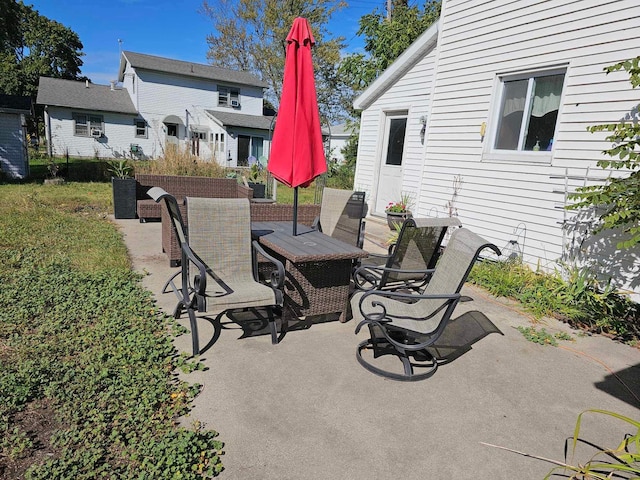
(317, 267)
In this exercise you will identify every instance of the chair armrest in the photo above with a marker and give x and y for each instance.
(277, 278)
(380, 317)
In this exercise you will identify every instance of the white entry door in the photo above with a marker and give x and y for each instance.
(390, 173)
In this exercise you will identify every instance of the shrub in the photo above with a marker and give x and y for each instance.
(579, 300)
(179, 161)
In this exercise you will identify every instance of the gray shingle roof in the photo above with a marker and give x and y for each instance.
(190, 69)
(241, 120)
(15, 103)
(73, 94)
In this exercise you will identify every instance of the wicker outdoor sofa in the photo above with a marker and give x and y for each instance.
(181, 186)
(260, 212)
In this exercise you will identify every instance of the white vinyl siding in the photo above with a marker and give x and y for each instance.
(482, 42)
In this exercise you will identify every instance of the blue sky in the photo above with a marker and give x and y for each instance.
(167, 28)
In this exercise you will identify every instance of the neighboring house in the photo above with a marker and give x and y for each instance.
(338, 139)
(485, 117)
(214, 112)
(14, 160)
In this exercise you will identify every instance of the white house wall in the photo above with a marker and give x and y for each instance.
(411, 93)
(481, 39)
(119, 133)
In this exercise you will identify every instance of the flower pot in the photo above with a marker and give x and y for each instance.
(258, 189)
(124, 197)
(397, 218)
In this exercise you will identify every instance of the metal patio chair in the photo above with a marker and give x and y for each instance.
(406, 324)
(410, 260)
(218, 267)
(342, 215)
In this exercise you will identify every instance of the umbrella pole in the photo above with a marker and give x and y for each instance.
(295, 211)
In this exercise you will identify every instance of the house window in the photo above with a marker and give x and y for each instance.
(228, 97)
(395, 148)
(528, 112)
(83, 124)
(141, 128)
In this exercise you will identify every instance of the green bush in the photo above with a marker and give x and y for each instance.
(579, 299)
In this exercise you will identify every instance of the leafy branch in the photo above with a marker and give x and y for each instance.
(619, 197)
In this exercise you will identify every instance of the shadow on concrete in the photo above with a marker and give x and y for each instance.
(623, 384)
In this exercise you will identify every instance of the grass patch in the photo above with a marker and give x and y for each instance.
(87, 389)
(577, 299)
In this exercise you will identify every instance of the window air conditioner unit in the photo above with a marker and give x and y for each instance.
(235, 103)
(96, 132)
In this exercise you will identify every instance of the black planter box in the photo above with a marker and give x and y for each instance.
(124, 197)
(258, 189)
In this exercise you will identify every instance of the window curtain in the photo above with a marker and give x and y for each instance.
(547, 95)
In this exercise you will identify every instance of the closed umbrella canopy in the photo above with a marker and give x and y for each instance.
(297, 152)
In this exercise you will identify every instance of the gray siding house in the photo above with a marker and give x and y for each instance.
(214, 112)
(14, 160)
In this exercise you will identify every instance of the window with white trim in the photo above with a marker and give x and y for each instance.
(228, 96)
(528, 111)
(83, 124)
(141, 128)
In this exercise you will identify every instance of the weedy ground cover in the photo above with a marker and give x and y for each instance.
(578, 299)
(88, 387)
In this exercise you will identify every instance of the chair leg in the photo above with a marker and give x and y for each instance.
(383, 347)
(195, 344)
(272, 326)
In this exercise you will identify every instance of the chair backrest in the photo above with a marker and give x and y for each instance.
(456, 262)
(418, 247)
(341, 214)
(219, 233)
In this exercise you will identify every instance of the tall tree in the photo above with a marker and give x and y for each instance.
(250, 35)
(386, 36)
(31, 46)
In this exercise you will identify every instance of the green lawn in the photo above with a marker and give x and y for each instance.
(87, 387)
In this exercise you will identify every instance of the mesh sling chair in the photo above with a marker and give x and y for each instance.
(405, 324)
(341, 215)
(219, 271)
(410, 260)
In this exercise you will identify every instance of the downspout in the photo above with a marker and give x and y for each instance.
(47, 130)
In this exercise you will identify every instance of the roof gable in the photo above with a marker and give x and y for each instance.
(83, 95)
(409, 58)
(188, 69)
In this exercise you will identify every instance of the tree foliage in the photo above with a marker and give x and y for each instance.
(250, 35)
(32, 46)
(386, 39)
(619, 197)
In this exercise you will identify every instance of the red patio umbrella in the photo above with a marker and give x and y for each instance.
(297, 152)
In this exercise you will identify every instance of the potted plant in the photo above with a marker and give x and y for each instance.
(398, 212)
(256, 182)
(124, 189)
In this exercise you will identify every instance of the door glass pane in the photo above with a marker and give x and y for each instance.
(397, 128)
(511, 113)
(256, 147)
(544, 112)
(243, 150)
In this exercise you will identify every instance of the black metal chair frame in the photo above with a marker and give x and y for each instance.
(194, 273)
(386, 272)
(389, 313)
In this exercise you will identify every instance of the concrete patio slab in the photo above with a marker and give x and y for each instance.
(305, 409)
